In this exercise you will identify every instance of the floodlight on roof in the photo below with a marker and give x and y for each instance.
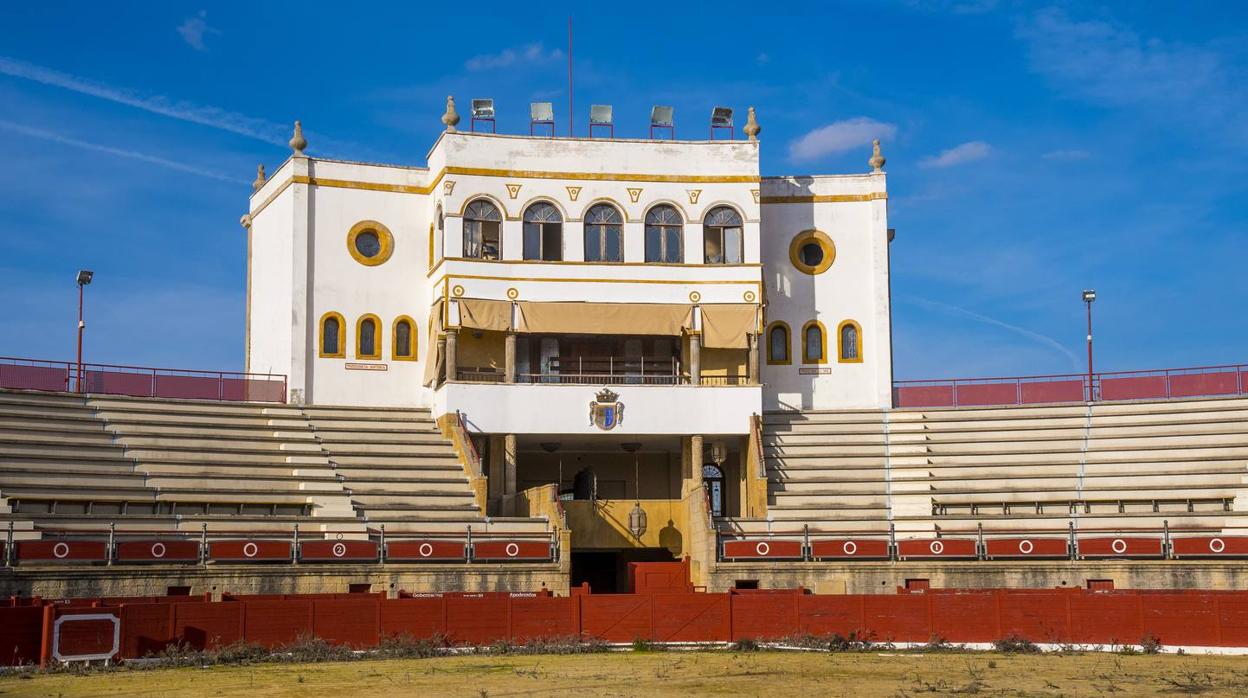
(542, 114)
(482, 110)
(661, 117)
(601, 115)
(721, 117)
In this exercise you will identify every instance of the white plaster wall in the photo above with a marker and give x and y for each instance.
(564, 409)
(270, 302)
(854, 288)
(396, 287)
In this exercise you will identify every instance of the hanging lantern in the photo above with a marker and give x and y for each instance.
(637, 520)
(719, 452)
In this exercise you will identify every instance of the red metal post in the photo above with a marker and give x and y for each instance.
(80, 328)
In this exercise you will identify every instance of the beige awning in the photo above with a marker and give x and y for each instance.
(480, 314)
(726, 326)
(432, 357)
(605, 318)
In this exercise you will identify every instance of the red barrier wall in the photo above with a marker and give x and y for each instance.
(1195, 618)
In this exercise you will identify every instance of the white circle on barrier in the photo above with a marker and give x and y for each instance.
(936, 547)
(762, 548)
(251, 549)
(512, 550)
(425, 550)
(339, 550)
(60, 551)
(1217, 545)
(158, 550)
(1025, 547)
(849, 547)
(1119, 546)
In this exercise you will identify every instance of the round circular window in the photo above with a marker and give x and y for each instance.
(370, 243)
(812, 252)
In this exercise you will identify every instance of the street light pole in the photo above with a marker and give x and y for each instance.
(84, 278)
(1089, 295)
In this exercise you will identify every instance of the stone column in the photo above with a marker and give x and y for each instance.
(441, 368)
(509, 475)
(693, 476)
(509, 354)
(751, 365)
(452, 364)
(695, 359)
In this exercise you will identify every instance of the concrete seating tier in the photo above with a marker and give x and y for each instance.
(72, 462)
(1119, 465)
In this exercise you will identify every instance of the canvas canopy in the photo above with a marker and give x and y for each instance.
(605, 318)
(726, 326)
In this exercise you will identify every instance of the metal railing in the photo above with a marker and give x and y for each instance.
(140, 381)
(1153, 384)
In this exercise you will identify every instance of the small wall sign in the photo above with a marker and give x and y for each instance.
(367, 367)
(815, 371)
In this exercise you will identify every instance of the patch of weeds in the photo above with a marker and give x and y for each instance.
(307, 650)
(746, 644)
(836, 642)
(1151, 644)
(644, 645)
(1015, 644)
(1189, 683)
(407, 647)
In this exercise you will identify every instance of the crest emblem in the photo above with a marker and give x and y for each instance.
(606, 411)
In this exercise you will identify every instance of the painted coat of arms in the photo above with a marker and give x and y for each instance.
(606, 411)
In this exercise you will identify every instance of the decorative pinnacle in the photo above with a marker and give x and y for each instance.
(451, 117)
(255, 186)
(877, 160)
(752, 129)
(297, 141)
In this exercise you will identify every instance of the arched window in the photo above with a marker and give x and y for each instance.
(723, 240)
(814, 343)
(663, 235)
(849, 343)
(543, 232)
(367, 337)
(483, 226)
(333, 336)
(403, 338)
(778, 344)
(714, 478)
(604, 234)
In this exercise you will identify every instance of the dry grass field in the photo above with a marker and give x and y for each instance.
(771, 674)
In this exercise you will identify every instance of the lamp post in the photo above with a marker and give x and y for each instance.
(84, 278)
(1089, 295)
(637, 519)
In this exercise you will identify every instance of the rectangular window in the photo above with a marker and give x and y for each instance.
(552, 242)
(532, 241)
(732, 246)
(613, 244)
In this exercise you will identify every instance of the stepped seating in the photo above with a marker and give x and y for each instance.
(402, 473)
(1111, 466)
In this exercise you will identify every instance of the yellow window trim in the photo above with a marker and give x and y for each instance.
(819, 238)
(430, 260)
(359, 324)
(788, 343)
(342, 336)
(840, 350)
(394, 339)
(383, 235)
(823, 343)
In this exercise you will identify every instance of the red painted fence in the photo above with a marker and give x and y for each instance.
(140, 381)
(1157, 384)
(1177, 618)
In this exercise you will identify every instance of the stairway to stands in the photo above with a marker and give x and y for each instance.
(401, 472)
(1106, 466)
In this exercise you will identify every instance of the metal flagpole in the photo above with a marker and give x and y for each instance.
(571, 112)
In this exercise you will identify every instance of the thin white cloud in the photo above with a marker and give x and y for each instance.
(1067, 155)
(1036, 337)
(193, 30)
(118, 152)
(259, 129)
(1111, 65)
(531, 53)
(958, 154)
(839, 137)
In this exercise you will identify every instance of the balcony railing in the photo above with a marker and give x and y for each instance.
(599, 372)
(140, 381)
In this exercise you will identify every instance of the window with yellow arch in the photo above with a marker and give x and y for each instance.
(849, 343)
(778, 344)
(333, 337)
(368, 337)
(814, 343)
(403, 339)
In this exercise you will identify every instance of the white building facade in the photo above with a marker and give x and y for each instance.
(515, 278)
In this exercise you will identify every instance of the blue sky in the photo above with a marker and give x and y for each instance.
(1033, 150)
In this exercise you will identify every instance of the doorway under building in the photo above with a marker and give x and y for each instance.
(607, 570)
